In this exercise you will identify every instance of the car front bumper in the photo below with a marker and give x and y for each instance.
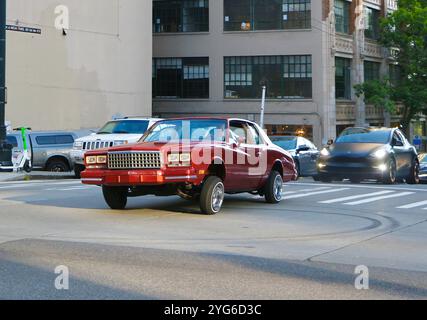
(423, 175)
(142, 177)
(77, 156)
(363, 170)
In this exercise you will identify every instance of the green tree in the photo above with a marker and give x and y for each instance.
(405, 33)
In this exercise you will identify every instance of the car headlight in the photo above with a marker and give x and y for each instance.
(185, 157)
(90, 160)
(325, 152)
(179, 159)
(380, 154)
(78, 145)
(101, 159)
(173, 158)
(93, 160)
(120, 142)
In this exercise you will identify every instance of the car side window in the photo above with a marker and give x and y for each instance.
(239, 131)
(254, 137)
(12, 140)
(402, 137)
(396, 139)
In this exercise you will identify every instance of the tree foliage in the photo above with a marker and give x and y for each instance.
(404, 32)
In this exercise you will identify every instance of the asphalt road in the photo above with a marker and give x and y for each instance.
(307, 247)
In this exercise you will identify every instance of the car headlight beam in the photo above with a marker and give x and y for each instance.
(380, 154)
(324, 152)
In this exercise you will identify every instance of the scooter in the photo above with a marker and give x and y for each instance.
(23, 161)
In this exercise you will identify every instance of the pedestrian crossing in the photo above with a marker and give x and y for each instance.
(395, 197)
(339, 196)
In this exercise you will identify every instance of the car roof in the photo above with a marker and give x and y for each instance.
(209, 118)
(136, 118)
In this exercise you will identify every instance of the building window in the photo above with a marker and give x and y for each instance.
(395, 74)
(250, 15)
(180, 16)
(342, 16)
(372, 20)
(372, 70)
(185, 78)
(343, 78)
(301, 130)
(286, 77)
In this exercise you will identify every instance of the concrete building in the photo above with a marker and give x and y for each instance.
(211, 57)
(81, 76)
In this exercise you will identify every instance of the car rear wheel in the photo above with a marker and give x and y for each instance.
(274, 187)
(298, 170)
(390, 174)
(212, 196)
(57, 165)
(414, 176)
(115, 197)
(78, 169)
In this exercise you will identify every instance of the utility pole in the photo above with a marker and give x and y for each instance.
(261, 122)
(5, 149)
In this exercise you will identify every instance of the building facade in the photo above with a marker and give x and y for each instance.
(212, 57)
(79, 77)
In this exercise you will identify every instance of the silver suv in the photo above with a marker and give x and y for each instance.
(113, 133)
(49, 150)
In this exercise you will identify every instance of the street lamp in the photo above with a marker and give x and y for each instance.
(261, 122)
(5, 148)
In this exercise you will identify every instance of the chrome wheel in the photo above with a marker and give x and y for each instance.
(217, 197)
(278, 188)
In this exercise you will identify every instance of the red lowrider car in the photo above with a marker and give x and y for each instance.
(195, 158)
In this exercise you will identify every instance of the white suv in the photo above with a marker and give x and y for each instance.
(113, 133)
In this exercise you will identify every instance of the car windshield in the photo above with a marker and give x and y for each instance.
(192, 130)
(377, 136)
(287, 143)
(423, 158)
(125, 127)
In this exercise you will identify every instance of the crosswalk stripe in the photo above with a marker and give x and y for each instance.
(413, 205)
(355, 197)
(394, 195)
(305, 190)
(315, 193)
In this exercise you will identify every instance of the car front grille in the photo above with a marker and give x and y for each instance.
(95, 145)
(134, 160)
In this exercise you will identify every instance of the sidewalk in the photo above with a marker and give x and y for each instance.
(35, 175)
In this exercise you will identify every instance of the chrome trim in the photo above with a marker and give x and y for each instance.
(131, 160)
(180, 177)
(92, 179)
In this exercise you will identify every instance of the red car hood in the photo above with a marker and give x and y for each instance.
(154, 146)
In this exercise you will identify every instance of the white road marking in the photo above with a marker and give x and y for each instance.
(67, 189)
(394, 195)
(315, 193)
(361, 186)
(413, 205)
(305, 190)
(356, 197)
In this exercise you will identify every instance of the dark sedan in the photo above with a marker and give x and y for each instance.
(370, 153)
(423, 167)
(303, 151)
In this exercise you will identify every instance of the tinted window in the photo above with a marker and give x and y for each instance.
(194, 130)
(125, 127)
(56, 139)
(12, 140)
(287, 143)
(423, 158)
(379, 136)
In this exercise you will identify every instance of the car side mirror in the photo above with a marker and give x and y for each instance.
(302, 149)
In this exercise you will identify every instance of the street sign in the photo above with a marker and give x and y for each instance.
(417, 142)
(23, 29)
